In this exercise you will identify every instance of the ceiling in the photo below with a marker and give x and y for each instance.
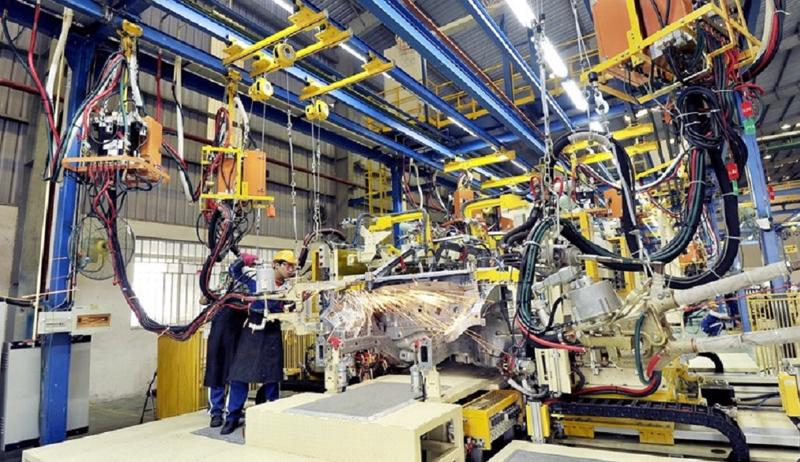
(781, 81)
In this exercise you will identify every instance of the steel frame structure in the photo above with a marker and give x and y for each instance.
(398, 20)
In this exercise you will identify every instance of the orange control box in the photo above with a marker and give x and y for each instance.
(460, 197)
(255, 173)
(151, 149)
(254, 168)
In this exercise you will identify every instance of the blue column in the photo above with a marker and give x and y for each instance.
(771, 246)
(56, 348)
(397, 195)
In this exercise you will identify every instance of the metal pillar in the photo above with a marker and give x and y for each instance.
(397, 195)
(56, 348)
(771, 248)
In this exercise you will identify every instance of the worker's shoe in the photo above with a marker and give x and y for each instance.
(230, 425)
(216, 421)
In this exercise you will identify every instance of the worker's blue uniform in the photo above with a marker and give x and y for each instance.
(226, 327)
(259, 355)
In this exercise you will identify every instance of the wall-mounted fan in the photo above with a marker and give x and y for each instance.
(90, 247)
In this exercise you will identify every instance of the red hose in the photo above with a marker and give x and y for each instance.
(158, 87)
(48, 110)
(547, 343)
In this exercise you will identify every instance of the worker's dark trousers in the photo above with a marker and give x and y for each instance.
(216, 400)
(238, 396)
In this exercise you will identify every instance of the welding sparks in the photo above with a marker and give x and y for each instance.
(436, 308)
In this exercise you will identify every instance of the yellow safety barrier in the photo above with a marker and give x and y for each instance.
(773, 311)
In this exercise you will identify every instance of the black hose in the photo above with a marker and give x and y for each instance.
(718, 367)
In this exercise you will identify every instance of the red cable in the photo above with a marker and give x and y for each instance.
(547, 343)
(158, 87)
(42, 93)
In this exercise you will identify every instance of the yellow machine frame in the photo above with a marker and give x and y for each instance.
(478, 413)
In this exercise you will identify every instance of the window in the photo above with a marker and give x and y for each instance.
(166, 277)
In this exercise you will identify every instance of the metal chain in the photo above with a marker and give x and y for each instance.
(318, 190)
(315, 176)
(293, 182)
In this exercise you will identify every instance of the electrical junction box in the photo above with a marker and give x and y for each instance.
(80, 320)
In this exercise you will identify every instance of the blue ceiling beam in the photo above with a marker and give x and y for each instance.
(410, 83)
(496, 34)
(398, 20)
(221, 32)
(259, 30)
(579, 120)
(206, 60)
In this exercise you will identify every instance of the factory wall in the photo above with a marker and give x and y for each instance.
(123, 358)
(8, 216)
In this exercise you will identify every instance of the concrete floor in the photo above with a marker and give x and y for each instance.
(104, 416)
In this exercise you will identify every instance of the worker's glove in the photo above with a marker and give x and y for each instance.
(248, 259)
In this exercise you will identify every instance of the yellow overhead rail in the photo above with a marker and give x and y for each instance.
(328, 37)
(303, 19)
(507, 181)
(633, 150)
(371, 68)
(503, 201)
(475, 162)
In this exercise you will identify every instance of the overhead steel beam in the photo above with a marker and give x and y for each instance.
(578, 120)
(206, 60)
(398, 19)
(496, 34)
(223, 33)
(410, 83)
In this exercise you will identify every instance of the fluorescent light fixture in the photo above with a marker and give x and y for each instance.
(797, 125)
(284, 5)
(785, 126)
(627, 118)
(485, 173)
(596, 126)
(767, 156)
(353, 52)
(553, 59)
(575, 95)
(522, 11)
(641, 113)
(519, 165)
(461, 126)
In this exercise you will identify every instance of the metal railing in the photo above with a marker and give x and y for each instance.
(773, 311)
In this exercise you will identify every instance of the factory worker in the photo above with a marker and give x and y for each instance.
(259, 356)
(226, 326)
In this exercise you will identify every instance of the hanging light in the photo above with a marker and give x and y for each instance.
(575, 95)
(552, 58)
(284, 5)
(522, 11)
(517, 164)
(353, 52)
